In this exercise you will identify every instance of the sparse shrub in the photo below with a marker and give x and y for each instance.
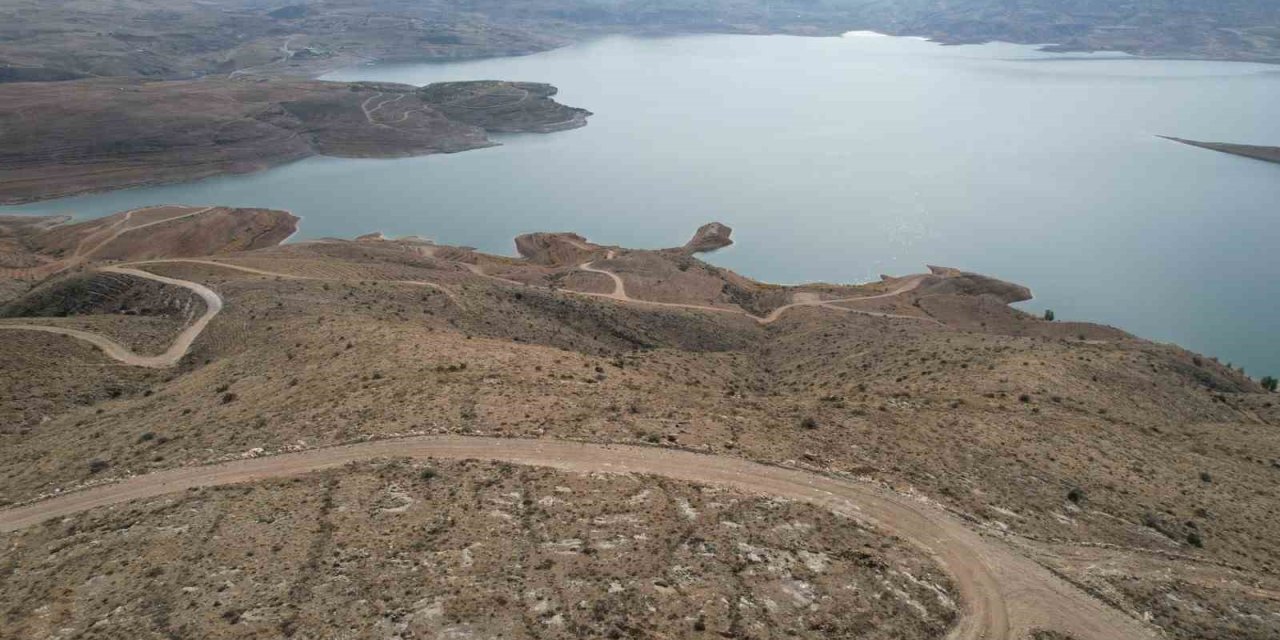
(147, 437)
(1024, 398)
(1194, 539)
(1075, 495)
(1205, 477)
(427, 474)
(1048, 315)
(809, 423)
(228, 398)
(98, 465)
(1269, 383)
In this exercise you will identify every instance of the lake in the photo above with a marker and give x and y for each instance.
(838, 159)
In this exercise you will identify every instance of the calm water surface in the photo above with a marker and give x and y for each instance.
(842, 158)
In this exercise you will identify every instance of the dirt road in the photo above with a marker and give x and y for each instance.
(213, 302)
(619, 293)
(121, 353)
(182, 344)
(1003, 594)
(93, 242)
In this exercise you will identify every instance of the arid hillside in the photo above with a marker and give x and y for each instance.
(1048, 479)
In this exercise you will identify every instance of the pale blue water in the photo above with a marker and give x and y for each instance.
(840, 158)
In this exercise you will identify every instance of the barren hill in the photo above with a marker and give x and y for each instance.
(1009, 477)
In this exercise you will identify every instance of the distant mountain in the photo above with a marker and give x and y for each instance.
(175, 39)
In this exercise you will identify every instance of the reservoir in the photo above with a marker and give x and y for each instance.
(838, 159)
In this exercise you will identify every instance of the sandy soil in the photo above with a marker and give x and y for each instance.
(439, 548)
(1003, 595)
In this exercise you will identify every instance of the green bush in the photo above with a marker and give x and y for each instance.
(1048, 315)
(1269, 383)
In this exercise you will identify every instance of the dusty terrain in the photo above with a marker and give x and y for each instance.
(1140, 473)
(459, 549)
(66, 138)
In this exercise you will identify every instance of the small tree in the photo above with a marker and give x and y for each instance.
(1048, 315)
(1269, 383)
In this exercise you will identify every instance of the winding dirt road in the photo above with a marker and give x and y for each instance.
(182, 344)
(213, 302)
(1003, 594)
(619, 293)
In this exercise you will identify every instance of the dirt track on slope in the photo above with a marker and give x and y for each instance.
(181, 345)
(213, 302)
(619, 293)
(1003, 594)
(108, 234)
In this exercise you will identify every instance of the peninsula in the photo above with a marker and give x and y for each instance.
(1266, 154)
(96, 135)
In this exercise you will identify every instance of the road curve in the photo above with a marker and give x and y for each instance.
(181, 345)
(1003, 595)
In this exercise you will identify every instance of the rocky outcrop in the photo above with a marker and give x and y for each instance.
(557, 249)
(709, 237)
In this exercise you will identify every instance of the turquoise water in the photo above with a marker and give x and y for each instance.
(841, 158)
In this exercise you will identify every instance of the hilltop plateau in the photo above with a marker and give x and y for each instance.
(664, 447)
